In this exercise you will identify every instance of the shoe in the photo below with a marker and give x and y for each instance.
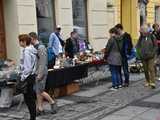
(113, 89)
(126, 85)
(39, 113)
(146, 84)
(153, 86)
(120, 86)
(54, 108)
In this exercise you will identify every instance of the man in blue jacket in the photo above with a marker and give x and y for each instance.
(125, 51)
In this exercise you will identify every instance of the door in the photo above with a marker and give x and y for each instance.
(2, 32)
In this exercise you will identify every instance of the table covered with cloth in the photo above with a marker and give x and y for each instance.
(64, 76)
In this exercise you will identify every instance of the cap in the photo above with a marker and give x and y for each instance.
(58, 26)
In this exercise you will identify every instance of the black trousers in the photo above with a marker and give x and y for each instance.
(30, 97)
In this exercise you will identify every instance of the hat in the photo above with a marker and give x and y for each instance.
(58, 26)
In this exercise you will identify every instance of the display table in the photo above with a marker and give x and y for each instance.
(60, 77)
(6, 94)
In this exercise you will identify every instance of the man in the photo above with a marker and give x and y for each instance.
(125, 51)
(42, 72)
(146, 48)
(55, 46)
(156, 33)
(72, 45)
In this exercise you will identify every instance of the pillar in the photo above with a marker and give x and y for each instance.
(130, 17)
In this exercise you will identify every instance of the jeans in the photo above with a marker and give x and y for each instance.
(30, 97)
(116, 75)
(126, 71)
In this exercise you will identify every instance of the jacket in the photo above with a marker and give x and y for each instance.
(112, 49)
(55, 44)
(28, 62)
(70, 48)
(146, 47)
(42, 62)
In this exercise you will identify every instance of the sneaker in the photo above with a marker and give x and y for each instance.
(113, 89)
(126, 85)
(146, 84)
(120, 86)
(54, 108)
(39, 113)
(153, 86)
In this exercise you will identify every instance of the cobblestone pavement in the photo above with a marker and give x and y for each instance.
(94, 102)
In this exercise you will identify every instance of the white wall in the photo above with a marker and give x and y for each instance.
(20, 18)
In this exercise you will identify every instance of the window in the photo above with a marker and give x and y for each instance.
(157, 15)
(45, 19)
(80, 17)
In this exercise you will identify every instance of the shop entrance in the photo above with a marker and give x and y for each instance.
(2, 32)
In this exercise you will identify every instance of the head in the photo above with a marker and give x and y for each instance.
(155, 27)
(119, 27)
(74, 35)
(58, 29)
(149, 25)
(24, 40)
(113, 32)
(144, 30)
(34, 37)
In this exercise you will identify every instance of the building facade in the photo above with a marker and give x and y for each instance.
(91, 18)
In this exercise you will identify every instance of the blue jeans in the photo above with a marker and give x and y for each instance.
(116, 75)
(126, 71)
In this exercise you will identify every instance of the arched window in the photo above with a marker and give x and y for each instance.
(80, 17)
(45, 19)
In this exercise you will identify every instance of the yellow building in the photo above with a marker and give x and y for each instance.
(92, 18)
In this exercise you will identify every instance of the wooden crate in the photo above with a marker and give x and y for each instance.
(69, 89)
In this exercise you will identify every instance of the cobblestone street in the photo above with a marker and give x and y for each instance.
(97, 102)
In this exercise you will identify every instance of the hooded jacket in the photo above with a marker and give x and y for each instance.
(28, 62)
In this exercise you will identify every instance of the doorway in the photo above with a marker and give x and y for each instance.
(2, 33)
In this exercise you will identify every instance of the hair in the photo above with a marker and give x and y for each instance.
(24, 38)
(119, 26)
(33, 35)
(154, 25)
(113, 30)
(73, 32)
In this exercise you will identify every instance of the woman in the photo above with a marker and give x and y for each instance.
(28, 68)
(114, 58)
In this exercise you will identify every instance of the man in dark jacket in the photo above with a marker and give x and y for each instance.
(156, 33)
(126, 50)
(72, 45)
(147, 48)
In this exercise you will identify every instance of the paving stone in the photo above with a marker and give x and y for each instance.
(131, 111)
(116, 117)
(94, 92)
(155, 99)
(153, 114)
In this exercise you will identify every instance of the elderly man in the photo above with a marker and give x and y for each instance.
(146, 48)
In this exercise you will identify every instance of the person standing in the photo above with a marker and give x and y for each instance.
(72, 45)
(114, 58)
(55, 46)
(156, 33)
(147, 48)
(125, 51)
(28, 68)
(42, 72)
